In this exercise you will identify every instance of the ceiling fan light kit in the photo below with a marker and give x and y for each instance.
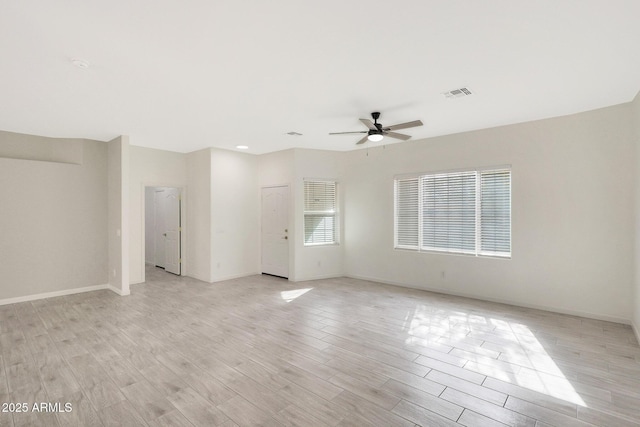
(377, 131)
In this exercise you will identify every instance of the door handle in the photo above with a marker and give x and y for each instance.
(285, 237)
(164, 234)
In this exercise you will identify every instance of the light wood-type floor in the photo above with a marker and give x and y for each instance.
(341, 352)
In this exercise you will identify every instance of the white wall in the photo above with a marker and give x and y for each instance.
(53, 220)
(150, 167)
(118, 214)
(317, 262)
(149, 225)
(291, 167)
(235, 215)
(635, 112)
(199, 215)
(278, 169)
(572, 212)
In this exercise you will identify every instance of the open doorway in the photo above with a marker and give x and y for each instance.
(163, 228)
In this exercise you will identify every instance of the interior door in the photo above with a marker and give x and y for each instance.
(172, 255)
(159, 227)
(275, 231)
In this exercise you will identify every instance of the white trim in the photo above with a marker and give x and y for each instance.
(235, 276)
(118, 291)
(447, 171)
(54, 294)
(197, 277)
(319, 277)
(222, 279)
(559, 310)
(636, 330)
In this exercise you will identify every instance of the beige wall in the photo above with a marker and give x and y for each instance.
(235, 215)
(572, 214)
(199, 215)
(278, 169)
(635, 114)
(291, 167)
(53, 220)
(118, 211)
(576, 213)
(317, 262)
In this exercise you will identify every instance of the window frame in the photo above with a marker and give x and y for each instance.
(478, 252)
(311, 213)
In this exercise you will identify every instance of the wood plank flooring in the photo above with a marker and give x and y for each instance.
(260, 351)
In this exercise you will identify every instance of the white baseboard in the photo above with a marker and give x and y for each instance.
(319, 277)
(234, 276)
(34, 297)
(198, 277)
(560, 310)
(118, 291)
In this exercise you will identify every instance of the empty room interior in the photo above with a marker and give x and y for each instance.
(419, 213)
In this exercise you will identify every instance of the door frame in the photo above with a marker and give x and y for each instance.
(292, 231)
(183, 224)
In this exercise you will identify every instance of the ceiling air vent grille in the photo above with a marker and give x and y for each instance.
(458, 93)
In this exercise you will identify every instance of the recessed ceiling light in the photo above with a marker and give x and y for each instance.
(242, 147)
(80, 63)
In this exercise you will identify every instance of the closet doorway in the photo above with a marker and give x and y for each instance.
(163, 228)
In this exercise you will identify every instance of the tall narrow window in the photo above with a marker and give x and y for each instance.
(320, 213)
(466, 212)
(407, 213)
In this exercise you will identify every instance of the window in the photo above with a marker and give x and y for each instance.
(320, 213)
(466, 212)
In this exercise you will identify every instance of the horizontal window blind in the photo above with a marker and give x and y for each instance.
(407, 213)
(495, 212)
(466, 212)
(320, 210)
(449, 212)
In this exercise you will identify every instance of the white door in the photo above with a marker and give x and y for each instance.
(275, 231)
(159, 227)
(171, 202)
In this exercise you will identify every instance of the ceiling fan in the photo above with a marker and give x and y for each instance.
(376, 131)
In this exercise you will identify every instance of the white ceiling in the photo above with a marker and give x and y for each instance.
(185, 75)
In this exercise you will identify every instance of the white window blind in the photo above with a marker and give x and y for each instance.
(320, 213)
(495, 212)
(449, 212)
(466, 212)
(407, 213)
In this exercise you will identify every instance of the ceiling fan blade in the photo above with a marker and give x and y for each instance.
(397, 135)
(368, 123)
(347, 133)
(404, 125)
(363, 140)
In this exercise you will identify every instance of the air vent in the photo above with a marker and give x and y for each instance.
(292, 133)
(458, 93)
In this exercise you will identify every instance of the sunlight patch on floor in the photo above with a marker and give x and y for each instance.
(522, 360)
(289, 296)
